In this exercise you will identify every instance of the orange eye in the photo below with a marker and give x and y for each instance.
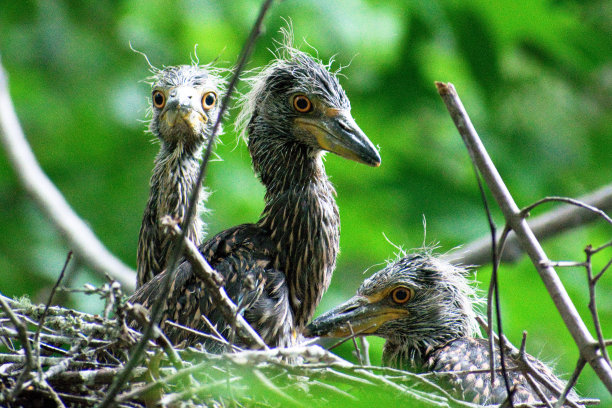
(401, 295)
(159, 100)
(208, 100)
(302, 104)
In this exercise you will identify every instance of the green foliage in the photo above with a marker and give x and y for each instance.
(535, 77)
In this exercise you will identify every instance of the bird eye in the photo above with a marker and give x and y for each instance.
(159, 100)
(401, 295)
(208, 100)
(301, 103)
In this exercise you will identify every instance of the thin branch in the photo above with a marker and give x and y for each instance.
(572, 381)
(158, 336)
(274, 389)
(213, 282)
(577, 203)
(46, 311)
(49, 199)
(524, 364)
(526, 373)
(347, 338)
(178, 248)
(201, 334)
(544, 226)
(216, 333)
(593, 304)
(365, 345)
(528, 242)
(355, 344)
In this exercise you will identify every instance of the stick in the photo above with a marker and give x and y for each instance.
(46, 311)
(527, 240)
(212, 279)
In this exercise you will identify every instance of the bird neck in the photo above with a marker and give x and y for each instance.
(413, 353)
(302, 218)
(174, 176)
(175, 172)
(403, 356)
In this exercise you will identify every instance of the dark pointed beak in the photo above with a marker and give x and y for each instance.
(338, 133)
(358, 315)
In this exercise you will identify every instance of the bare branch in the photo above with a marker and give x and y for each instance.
(366, 350)
(544, 226)
(357, 351)
(593, 304)
(213, 282)
(527, 240)
(572, 381)
(49, 199)
(44, 315)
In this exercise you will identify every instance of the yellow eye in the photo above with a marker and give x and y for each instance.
(208, 100)
(401, 295)
(159, 99)
(302, 104)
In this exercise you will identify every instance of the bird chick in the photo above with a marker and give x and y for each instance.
(184, 110)
(424, 308)
(295, 111)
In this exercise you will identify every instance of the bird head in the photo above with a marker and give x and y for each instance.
(417, 302)
(184, 102)
(296, 99)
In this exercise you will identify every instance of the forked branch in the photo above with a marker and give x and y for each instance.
(527, 240)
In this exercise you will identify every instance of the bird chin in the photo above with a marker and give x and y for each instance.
(187, 126)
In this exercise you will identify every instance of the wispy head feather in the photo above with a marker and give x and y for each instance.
(309, 75)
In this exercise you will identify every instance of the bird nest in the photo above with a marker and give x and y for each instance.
(55, 356)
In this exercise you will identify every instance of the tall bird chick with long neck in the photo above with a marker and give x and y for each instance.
(277, 269)
(425, 308)
(184, 110)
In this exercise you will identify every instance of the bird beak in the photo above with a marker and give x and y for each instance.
(358, 315)
(182, 104)
(338, 133)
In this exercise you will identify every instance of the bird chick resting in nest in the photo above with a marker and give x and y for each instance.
(277, 269)
(184, 110)
(424, 308)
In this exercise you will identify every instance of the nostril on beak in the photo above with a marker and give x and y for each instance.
(350, 309)
(344, 126)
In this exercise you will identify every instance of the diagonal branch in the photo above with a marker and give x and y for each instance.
(214, 282)
(525, 235)
(75, 231)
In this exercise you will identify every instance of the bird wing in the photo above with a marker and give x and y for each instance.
(241, 256)
(466, 355)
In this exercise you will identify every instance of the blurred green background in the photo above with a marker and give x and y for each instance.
(535, 76)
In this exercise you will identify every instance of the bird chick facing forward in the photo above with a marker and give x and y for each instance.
(184, 110)
(294, 113)
(424, 308)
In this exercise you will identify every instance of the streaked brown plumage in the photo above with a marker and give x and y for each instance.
(424, 308)
(184, 110)
(277, 269)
